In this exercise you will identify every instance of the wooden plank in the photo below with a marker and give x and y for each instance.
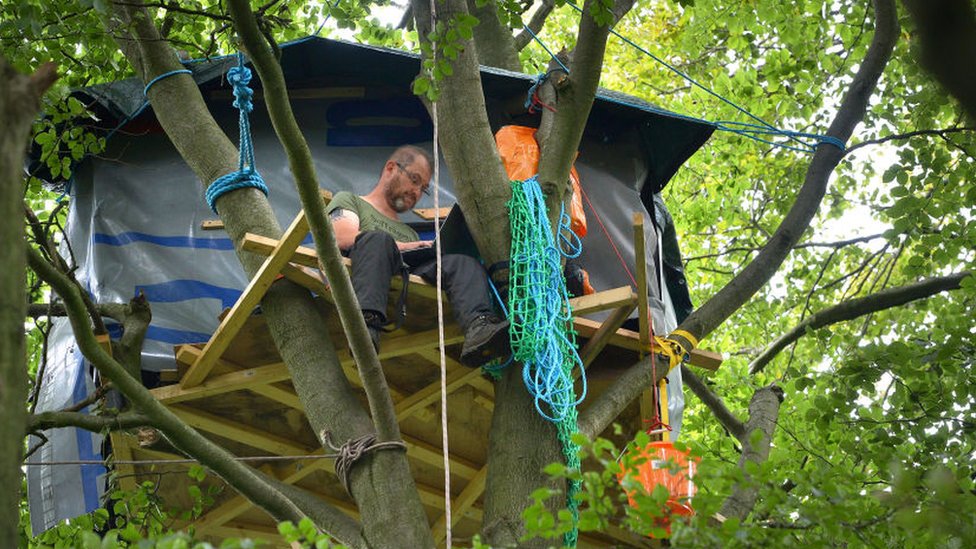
(238, 432)
(305, 277)
(226, 383)
(640, 268)
(306, 256)
(428, 213)
(212, 225)
(431, 455)
(105, 342)
(457, 377)
(629, 339)
(122, 450)
(602, 301)
(252, 295)
(277, 394)
(464, 501)
(601, 337)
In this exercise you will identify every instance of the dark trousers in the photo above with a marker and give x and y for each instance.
(376, 260)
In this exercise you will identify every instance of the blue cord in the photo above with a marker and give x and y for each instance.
(246, 175)
(541, 43)
(724, 126)
(145, 91)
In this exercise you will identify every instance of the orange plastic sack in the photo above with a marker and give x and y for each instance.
(658, 469)
(520, 154)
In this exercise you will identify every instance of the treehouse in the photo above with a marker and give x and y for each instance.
(138, 225)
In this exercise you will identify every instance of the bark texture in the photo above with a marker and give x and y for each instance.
(20, 97)
(763, 414)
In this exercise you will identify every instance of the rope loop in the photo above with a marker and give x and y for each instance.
(350, 452)
(246, 174)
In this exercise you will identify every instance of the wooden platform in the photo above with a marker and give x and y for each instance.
(235, 389)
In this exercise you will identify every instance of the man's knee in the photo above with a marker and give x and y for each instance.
(461, 263)
(373, 239)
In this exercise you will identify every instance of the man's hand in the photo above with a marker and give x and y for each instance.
(416, 245)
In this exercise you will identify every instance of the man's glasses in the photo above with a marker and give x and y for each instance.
(414, 178)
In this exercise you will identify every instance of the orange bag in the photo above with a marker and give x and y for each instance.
(520, 154)
(657, 470)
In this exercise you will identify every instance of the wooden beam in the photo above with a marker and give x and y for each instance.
(122, 450)
(640, 266)
(464, 501)
(428, 213)
(602, 301)
(277, 394)
(307, 257)
(431, 455)
(307, 278)
(457, 377)
(252, 295)
(238, 432)
(601, 337)
(226, 383)
(629, 339)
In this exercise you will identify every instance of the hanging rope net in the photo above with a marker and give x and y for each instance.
(246, 175)
(540, 318)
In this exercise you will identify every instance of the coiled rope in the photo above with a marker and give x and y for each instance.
(540, 317)
(246, 175)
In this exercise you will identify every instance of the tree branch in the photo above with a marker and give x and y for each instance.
(88, 422)
(902, 136)
(535, 24)
(755, 275)
(253, 484)
(849, 310)
(732, 424)
(763, 413)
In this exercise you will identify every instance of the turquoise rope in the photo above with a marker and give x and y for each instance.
(246, 175)
(540, 317)
(145, 91)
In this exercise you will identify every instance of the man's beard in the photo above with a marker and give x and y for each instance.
(400, 205)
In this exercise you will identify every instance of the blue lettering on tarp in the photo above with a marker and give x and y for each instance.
(185, 290)
(131, 237)
(86, 451)
(347, 128)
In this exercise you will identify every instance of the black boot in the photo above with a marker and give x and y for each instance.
(484, 339)
(374, 324)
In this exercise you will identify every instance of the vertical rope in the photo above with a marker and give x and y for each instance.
(445, 445)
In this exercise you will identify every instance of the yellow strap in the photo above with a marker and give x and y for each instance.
(671, 349)
(691, 339)
(662, 402)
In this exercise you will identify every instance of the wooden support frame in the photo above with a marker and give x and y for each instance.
(251, 297)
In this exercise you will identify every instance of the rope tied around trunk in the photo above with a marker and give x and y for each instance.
(347, 454)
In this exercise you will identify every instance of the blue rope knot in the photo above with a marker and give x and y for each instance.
(232, 182)
(240, 77)
(246, 175)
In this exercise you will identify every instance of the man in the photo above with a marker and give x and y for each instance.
(369, 231)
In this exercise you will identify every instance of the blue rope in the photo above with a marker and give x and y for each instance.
(746, 130)
(145, 91)
(541, 43)
(246, 175)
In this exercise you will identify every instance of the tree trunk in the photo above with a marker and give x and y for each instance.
(19, 102)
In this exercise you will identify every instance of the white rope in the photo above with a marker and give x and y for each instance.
(445, 446)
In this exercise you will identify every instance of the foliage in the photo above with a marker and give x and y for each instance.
(874, 444)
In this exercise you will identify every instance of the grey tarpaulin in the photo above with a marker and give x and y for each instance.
(136, 211)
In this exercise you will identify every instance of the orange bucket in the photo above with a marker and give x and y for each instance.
(662, 464)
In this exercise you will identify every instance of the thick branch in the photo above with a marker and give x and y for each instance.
(763, 413)
(849, 310)
(88, 422)
(741, 288)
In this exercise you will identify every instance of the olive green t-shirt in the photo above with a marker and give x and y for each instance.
(370, 219)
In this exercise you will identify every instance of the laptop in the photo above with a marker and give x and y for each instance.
(455, 238)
